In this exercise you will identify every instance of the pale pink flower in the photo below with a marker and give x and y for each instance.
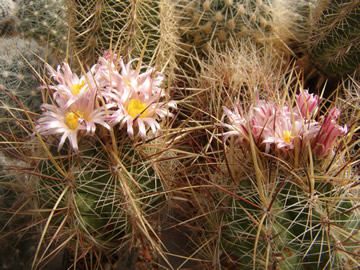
(106, 71)
(284, 127)
(70, 86)
(329, 131)
(261, 119)
(307, 103)
(78, 119)
(237, 123)
(268, 124)
(139, 99)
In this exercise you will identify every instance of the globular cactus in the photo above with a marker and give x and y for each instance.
(268, 211)
(20, 64)
(278, 202)
(44, 21)
(97, 205)
(275, 23)
(101, 194)
(8, 9)
(334, 41)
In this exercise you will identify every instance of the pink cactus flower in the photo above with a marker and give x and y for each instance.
(70, 86)
(307, 103)
(329, 131)
(268, 124)
(139, 100)
(283, 128)
(78, 119)
(237, 123)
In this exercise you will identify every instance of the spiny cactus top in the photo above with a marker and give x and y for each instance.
(8, 10)
(270, 124)
(125, 96)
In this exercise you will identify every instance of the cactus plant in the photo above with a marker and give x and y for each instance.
(102, 194)
(334, 43)
(44, 21)
(20, 60)
(269, 210)
(8, 10)
(272, 194)
(275, 23)
(103, 206)
(20, 64)
(124, 25)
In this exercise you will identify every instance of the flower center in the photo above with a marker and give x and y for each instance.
(136, 107)
(77, 87)
(287, 136)
(72, 119)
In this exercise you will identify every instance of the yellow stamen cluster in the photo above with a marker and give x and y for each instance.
(77, 87)
(72, 119)
(136, 107)
(287, 136)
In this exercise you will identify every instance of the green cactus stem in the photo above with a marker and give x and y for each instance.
(334, 41)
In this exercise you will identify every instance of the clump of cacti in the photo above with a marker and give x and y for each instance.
(264, 173)
(44, 21)
(334, 39)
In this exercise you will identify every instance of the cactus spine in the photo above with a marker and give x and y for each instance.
(20, 64)
(45, 21)
(8, 10)
(334, 41)
(274, 23)
(126, 26)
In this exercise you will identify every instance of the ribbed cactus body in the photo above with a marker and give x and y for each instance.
(125, 27)
(98, 201)
(298, 231)
(100, 25)
(326, 224)
(334, 42)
